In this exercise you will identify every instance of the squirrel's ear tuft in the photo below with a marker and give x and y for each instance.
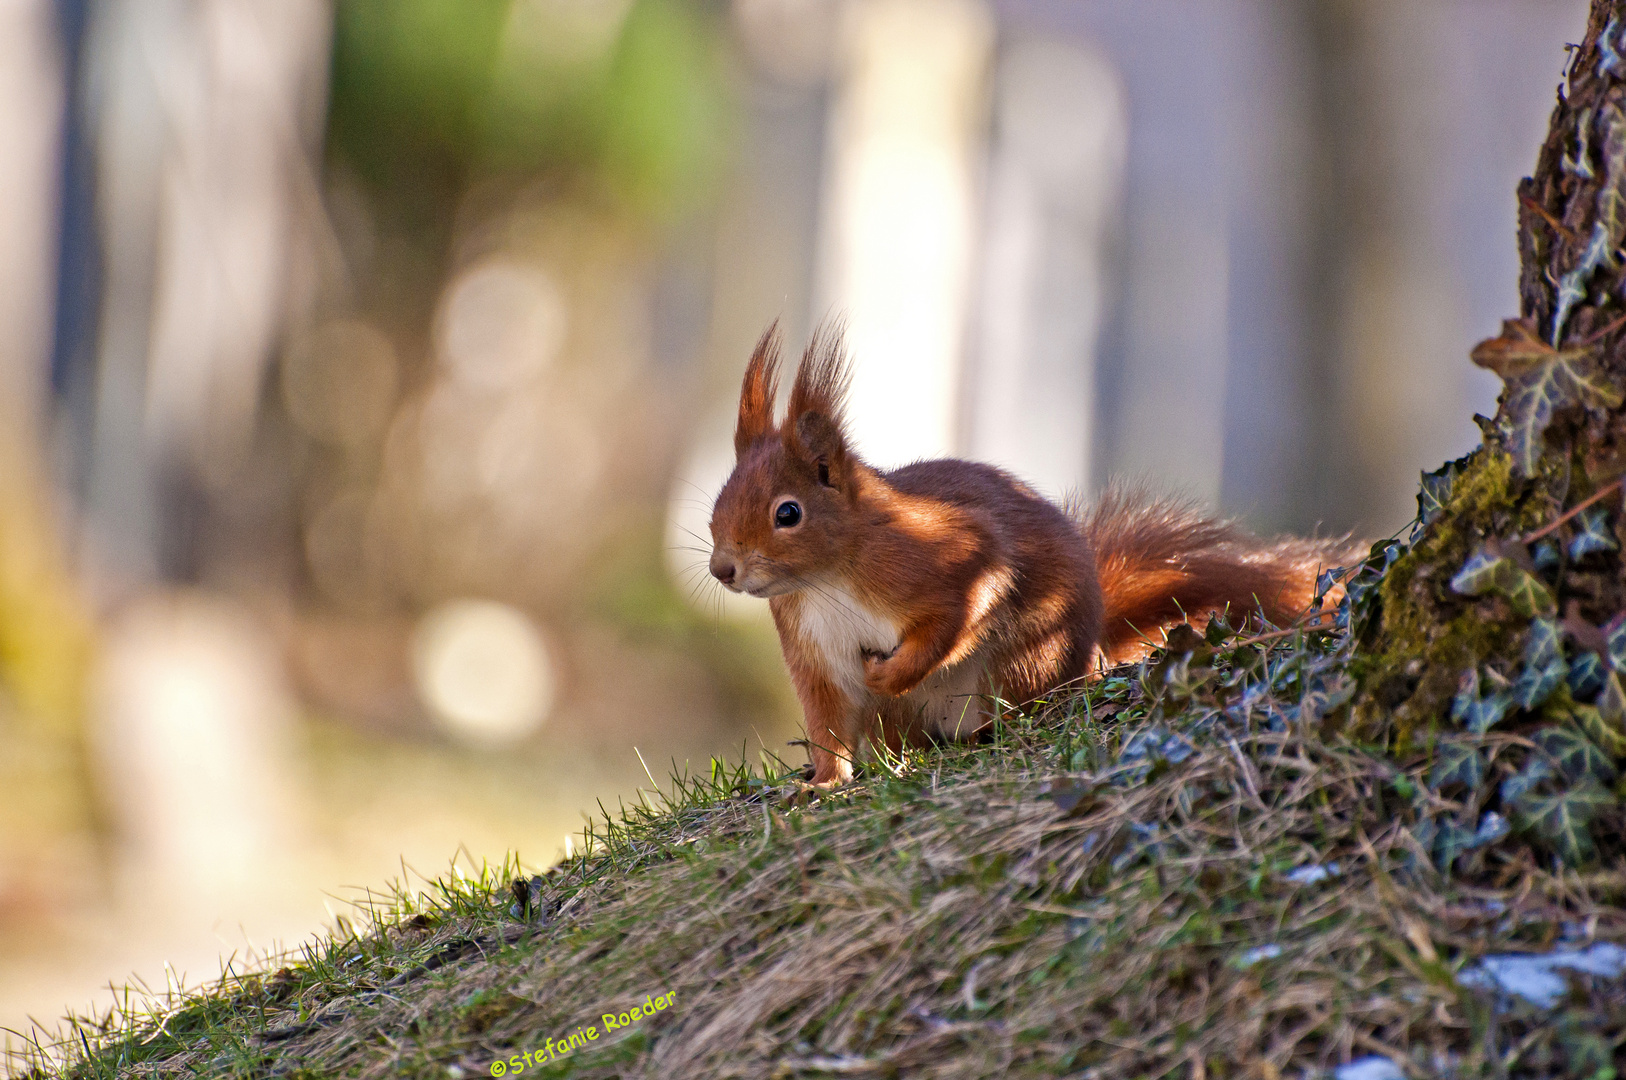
(815, 429)
(758, 391)
(821, 383)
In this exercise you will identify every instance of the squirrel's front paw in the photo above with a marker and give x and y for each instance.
(880, 672)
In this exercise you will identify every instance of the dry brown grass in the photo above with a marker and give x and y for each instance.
(1056, 903)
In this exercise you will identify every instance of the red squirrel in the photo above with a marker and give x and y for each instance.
(912, 599)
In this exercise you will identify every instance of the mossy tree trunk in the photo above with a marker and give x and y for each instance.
(1499, 629)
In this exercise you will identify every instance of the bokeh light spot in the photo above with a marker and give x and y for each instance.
(501, 323)
(483, 670)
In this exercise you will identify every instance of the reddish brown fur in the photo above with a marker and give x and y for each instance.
(912, 598)
(758, 392)
(1160, 561)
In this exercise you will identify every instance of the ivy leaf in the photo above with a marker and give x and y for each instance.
(1326, 699)
(1447, 840)
(1479, 574)
(1492, 827)
(1546, 556)
(1614, 636)
(1543, 645)
(1592, 532)
(1452, 840)
(1528, 596)
(1606, 733)
(1518, 351)
(1475, 713)
(1218, 631)
(1325, 580)
(1612, 701)
(1564, 818)
(1544, 667)
(1586, 674)
(1426, 831)
(1456, 763)
(1435, 492)
(1536, 771)
(1488, 571)
(1361, 590)
(1576, 756)
(1486, 713)
(1540, 380)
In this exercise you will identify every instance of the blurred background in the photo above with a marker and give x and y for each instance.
(367, 367)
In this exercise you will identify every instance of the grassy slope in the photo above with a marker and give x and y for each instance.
(1060, 902)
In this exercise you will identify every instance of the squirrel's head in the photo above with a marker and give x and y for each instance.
(785, 513)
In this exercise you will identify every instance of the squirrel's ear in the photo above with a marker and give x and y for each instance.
(817, 400)
(824, 445)
(758, 391)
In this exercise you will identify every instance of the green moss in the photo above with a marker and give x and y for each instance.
(1428, 635)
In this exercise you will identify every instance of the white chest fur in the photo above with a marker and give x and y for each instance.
(842, 630)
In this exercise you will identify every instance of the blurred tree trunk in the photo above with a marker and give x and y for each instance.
(45, 801)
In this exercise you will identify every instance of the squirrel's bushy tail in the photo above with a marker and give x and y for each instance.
(1161, 561)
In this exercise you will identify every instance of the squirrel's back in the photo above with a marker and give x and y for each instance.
(1042, 623)
(1155, 560)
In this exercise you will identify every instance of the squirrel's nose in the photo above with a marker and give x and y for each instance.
(723, 568)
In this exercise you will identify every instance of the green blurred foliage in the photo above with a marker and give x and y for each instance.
(626, 103)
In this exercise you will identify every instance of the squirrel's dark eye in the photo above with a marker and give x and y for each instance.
(787, 514)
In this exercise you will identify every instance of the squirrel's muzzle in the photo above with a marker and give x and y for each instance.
(724, 569)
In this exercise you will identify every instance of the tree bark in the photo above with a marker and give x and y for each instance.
(1505, 611)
